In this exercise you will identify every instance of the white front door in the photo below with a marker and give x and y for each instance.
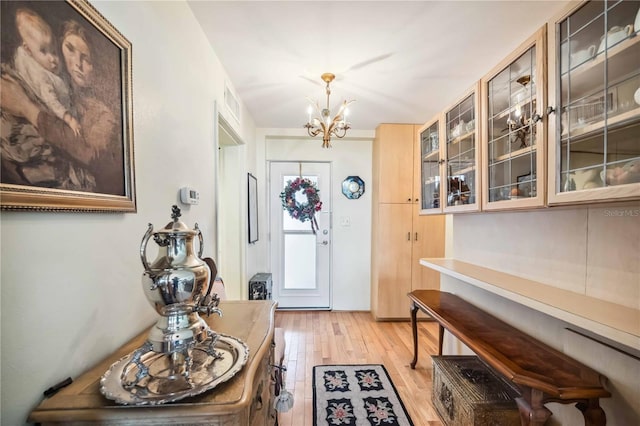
(300, 259)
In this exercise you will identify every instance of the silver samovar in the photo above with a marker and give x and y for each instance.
(181, 356)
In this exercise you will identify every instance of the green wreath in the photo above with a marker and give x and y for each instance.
(297, 210)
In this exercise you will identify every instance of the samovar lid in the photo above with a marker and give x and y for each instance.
(176, 226)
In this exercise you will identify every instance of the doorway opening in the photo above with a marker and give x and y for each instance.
(230, 232)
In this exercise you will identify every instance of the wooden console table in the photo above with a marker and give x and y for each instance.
(542, 373)
(245, 400)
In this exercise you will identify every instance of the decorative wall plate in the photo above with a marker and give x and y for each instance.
(160, 386)
(353, 187)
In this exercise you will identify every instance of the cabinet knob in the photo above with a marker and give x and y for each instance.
(408, 236)
(409, 199)
(550, 110)
(417, 199)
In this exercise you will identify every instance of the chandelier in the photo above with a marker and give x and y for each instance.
(325, 124)
(521, 127)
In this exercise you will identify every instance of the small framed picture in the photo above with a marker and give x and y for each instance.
(253, 208)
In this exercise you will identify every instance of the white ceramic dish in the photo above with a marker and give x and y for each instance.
(583, 55)
(614, 36)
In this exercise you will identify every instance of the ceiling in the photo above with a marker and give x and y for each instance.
(403, 62)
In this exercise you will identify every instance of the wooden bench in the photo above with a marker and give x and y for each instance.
(542, 374)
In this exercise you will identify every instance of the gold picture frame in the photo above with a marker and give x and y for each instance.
(66, 136)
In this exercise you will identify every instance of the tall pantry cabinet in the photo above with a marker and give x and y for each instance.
(400, 235)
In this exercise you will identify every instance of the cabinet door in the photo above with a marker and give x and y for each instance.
(394, 260)
(415, 163)
(428, 241)
(461, 153)
(429, 163)
(594, 88)
(513, 173)
(394, 158)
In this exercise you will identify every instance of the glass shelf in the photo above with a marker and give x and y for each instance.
(623, 55)
(514, 154)
(431, 156)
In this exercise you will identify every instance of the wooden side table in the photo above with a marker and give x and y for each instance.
(542, 373)
(245, 400)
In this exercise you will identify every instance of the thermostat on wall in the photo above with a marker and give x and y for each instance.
(189, 195)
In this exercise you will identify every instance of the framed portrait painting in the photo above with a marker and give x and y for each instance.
(66, 135)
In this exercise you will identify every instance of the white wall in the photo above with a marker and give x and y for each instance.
(70, 282)
(351, 260)
(591, 250)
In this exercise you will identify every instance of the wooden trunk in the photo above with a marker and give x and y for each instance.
(466, 392)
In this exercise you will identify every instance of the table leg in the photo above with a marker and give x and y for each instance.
(592, 412)
(440, 338)
(531, 407)
(414, 329)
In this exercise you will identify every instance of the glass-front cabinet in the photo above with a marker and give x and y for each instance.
(449, 158)
(460, 152)
(430, 166)
(513, 173)
(594, 93)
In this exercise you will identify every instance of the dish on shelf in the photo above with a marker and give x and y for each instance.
(583, 55)
(353, 187)
(565, 48)
(458, 129)
(614, 36)
(620, 175)
(470, 126)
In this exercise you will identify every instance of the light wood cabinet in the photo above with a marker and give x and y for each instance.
(428, 241)
(594, 93)
(514, 128)
(400, 236)
(394, 260)
(461, 153)
(448, 153)
(431, 166)
(395, 173)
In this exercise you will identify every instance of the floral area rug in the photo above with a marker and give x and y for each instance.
(356, 395)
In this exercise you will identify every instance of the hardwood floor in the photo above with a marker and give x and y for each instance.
(319, 337)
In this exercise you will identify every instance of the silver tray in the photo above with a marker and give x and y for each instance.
(206, 373)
